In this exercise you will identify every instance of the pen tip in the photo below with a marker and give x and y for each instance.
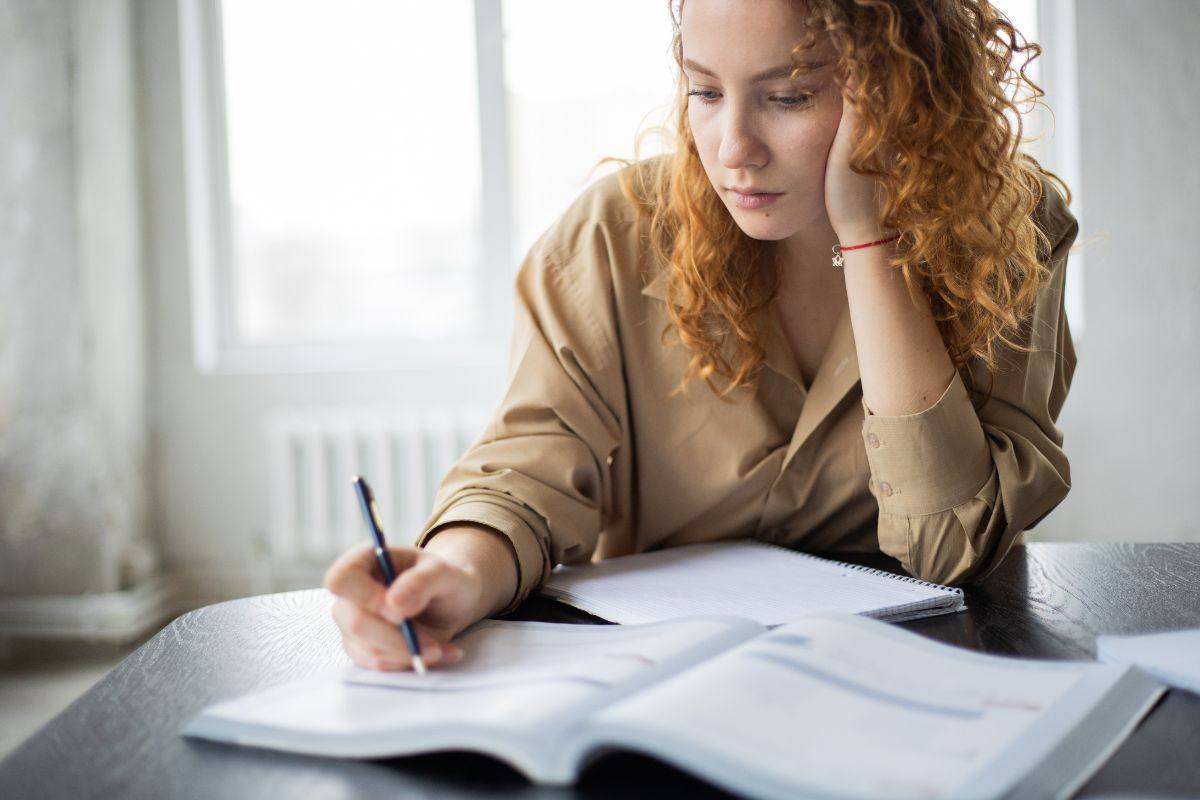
(418, 665)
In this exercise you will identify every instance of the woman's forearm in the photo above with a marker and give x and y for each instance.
(902, 360)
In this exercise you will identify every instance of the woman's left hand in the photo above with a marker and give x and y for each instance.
(852, 201)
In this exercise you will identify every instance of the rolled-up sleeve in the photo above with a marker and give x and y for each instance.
(955, 485)
(541, 473)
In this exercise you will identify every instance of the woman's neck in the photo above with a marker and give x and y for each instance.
(805, 262)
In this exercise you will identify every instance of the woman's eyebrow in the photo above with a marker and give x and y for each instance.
(784, 71)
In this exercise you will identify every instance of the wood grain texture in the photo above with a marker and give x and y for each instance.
(120, 739)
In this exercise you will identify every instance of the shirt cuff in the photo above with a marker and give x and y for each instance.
(930, 461)
(528, 554)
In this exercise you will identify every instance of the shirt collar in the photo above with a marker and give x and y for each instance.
(836, 376)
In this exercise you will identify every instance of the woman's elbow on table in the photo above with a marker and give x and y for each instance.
(968, 541)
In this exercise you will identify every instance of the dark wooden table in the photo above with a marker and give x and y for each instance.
(120, 739)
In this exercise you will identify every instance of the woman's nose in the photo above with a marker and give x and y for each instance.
(741, 146)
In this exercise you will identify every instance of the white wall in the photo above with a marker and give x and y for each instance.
(73, 475)
(1130, 421)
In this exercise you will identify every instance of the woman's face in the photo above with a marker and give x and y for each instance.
(768, 134)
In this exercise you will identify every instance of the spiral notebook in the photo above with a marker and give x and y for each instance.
(769, 584)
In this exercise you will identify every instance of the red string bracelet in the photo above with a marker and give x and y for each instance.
(839, 261)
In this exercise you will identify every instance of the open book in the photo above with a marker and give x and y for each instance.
(744, 577)
(830, 706)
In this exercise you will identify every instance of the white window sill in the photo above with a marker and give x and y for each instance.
(381, 356)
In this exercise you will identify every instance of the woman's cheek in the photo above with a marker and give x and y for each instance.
(706, 144)
(813, 138)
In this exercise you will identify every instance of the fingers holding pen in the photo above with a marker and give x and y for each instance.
(391, 599)
(415, 588)
(354, 576)
(370, 640)
(372, 658)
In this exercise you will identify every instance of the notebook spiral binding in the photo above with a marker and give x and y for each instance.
(894, 576)
(868, 570)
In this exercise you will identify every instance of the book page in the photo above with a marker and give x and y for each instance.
(327, 716)
(769, 584)
(850, 706)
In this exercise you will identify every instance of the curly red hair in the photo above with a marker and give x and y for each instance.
(931, 78)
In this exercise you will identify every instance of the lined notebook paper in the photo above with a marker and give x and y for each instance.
(767, 583)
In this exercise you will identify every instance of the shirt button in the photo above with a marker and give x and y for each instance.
(885, 489)
(872, 440)
(610, 460)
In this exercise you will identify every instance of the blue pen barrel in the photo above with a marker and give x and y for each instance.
(366, 501)
(385, 565)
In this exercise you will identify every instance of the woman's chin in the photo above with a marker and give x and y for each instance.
(762, 228)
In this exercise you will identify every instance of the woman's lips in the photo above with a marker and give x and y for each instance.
(756, 200)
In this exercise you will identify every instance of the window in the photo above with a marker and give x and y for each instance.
(1055, 140)
(620, 80)
(354, 170)
(365, 176)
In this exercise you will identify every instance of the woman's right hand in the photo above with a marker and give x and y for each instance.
(442, 590)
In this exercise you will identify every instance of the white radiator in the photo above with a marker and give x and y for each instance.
(403, 454)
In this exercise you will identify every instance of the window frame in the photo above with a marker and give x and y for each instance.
(216, 348)
(1064, 155)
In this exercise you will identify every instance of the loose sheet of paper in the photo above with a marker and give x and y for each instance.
(507, 654)
(1171, 656)
(768, 584)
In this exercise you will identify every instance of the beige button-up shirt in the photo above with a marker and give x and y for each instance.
(587, 458)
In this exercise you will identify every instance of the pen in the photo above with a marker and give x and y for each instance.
(371, 514)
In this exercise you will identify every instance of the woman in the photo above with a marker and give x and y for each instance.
(849, 249)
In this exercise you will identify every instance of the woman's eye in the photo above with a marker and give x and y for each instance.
(708, 97)
(792, 102)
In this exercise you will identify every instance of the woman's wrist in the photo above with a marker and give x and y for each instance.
(486, 556)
